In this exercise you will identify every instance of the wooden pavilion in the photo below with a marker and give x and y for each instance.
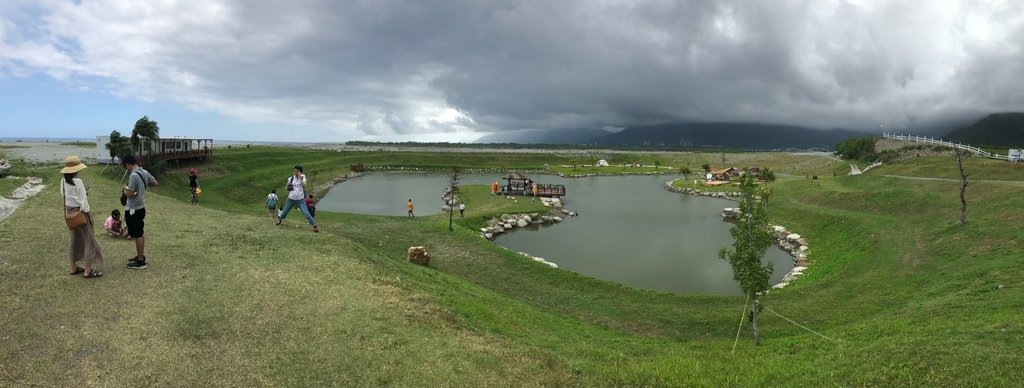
(518, 183)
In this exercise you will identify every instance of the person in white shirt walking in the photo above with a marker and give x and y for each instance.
(297, 198)
(83, 245)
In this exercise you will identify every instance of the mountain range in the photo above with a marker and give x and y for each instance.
(999, 130)
(685, 135)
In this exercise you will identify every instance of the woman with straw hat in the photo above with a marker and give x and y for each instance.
(83, 242)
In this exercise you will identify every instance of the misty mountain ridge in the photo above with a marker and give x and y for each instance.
(687, 135)
(998, 129)
(545, 136)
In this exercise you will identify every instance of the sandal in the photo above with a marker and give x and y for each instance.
(93, 274)
(78, 270)
(279, 221)
(316, 229)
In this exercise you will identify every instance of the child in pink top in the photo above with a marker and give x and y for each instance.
(113, 225)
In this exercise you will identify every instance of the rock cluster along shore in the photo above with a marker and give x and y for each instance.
(539, 260)
(733, 195)
(507, 222)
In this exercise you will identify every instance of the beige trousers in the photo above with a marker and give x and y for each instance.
(84, 246)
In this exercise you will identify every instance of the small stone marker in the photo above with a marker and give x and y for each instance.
(419, 255)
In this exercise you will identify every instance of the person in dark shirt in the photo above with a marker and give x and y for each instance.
(193, 185)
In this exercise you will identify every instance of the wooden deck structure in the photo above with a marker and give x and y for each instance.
(518, 183)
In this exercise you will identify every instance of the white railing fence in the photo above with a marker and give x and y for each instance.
(931, 140)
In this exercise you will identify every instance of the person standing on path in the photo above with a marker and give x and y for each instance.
(410, 207)
(193, 185)
(534, 190)
(272, 203)
(135, 208)
(83, 246)
(462, 210)
(297, 198)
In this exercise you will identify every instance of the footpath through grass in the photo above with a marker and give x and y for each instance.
(232, 300)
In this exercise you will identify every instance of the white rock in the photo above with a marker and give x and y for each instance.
(522, 223)
(527, 219)
(779, 228)
(572, 214)
(556, 219)
(793, 237)
(488, 236)
(485, 230)
(803, 248)
(538, 259)
(550, 264)
(798, 269)
(780, 285)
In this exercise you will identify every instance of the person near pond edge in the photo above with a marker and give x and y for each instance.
(135, 207)
(272, 203)
(462, 210)
(534, 190)
(114, 226)
(193, 185)
(494, 187)
(297, 198)
(83, 246)
(410, 207)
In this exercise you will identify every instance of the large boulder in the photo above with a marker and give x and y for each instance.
(522, 223)
(419, 255)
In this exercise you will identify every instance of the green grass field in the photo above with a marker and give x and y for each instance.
(230, 299)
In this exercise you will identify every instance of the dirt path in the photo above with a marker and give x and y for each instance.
(26, 191)
(919, 178)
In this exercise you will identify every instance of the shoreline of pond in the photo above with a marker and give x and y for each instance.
(792, 243)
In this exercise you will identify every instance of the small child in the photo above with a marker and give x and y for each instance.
(311, 206)
(113, 225)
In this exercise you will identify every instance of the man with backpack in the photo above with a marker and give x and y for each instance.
(134, 197)
(297, 198)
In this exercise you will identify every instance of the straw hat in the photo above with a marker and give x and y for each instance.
(72, 164)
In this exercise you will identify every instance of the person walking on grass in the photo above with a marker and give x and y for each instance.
(297, 198)
(83, 246)
(272, 203)
(462, 209)
(193, 185)
(135, 208)
(409, 206)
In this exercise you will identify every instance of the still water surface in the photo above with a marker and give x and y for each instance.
(630, 229)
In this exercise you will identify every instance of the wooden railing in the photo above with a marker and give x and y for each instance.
(931, 140)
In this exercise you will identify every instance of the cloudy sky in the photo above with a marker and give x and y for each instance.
(327, 70)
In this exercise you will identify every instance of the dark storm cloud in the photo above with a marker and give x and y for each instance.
(386, 68)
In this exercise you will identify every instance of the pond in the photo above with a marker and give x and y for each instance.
(630, 230)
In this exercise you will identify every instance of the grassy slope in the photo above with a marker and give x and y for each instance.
(912, 299)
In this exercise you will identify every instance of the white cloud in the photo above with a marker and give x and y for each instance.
(402, 69)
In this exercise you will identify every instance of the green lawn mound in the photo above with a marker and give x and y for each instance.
(230, 299)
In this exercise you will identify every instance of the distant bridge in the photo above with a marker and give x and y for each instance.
(930, 140)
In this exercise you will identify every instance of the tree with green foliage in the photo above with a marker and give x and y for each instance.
(706, 167)
(144, 128)
(752, 238)
(118, 146)
(768, 175)
(858, 148)
(657, 165)
(685, 172)
(452, 196)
